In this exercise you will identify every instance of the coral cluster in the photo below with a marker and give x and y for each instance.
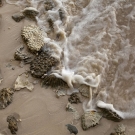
(42, 64)
(84, 90)
(90, 119)
(12, 124)
(6, 97)
(33, 37)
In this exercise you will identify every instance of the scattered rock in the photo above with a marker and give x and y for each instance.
(22, 57)
(1, 78)
(30, 12)
(13, 68)
(42, 64)
(51, 23)
(84, 90)
(60, 93)
(33, 37)
(35, 82)
(1, 3)
(62, 14)
(6, 97)
(12, 124)
(119, 130)
(22, 81)
(18, 17)
(74, 98)
(71, 108)
(48, 5)
(72, 129)
(53, 81)
(60, 35)
(110, 115)
(90, 119)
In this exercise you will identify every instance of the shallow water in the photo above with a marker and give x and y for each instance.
(97, 37)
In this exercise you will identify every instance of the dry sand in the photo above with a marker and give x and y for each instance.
(41, 112)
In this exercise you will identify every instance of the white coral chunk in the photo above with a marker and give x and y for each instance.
(23, 82)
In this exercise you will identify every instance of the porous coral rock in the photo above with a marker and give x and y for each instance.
(22, 57)
(30, 12)
(90, 119)
(6, 97)
(22, 81)
(109, 114)
(53, 81)
(74, 98)
(42, 64)
(12, 124)
(33, 37)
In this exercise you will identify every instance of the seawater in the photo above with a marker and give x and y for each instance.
(97, 38)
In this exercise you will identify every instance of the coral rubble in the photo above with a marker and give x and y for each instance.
(109, 114)
(33, 37)
(1, 77)
(48, 5)
(18, 17)
(1, 3)
(119, 130)
(53, 81)
(12, 124)
(30, 12)
(22, 81)
(6, 97)
(84, 90)
(90, 119)
(22, 57)
(42, 64)
(74, 98)
(72, 129)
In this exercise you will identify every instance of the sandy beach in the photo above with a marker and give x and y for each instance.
(41, 112)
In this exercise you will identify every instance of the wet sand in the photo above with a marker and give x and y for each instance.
(41, 112)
